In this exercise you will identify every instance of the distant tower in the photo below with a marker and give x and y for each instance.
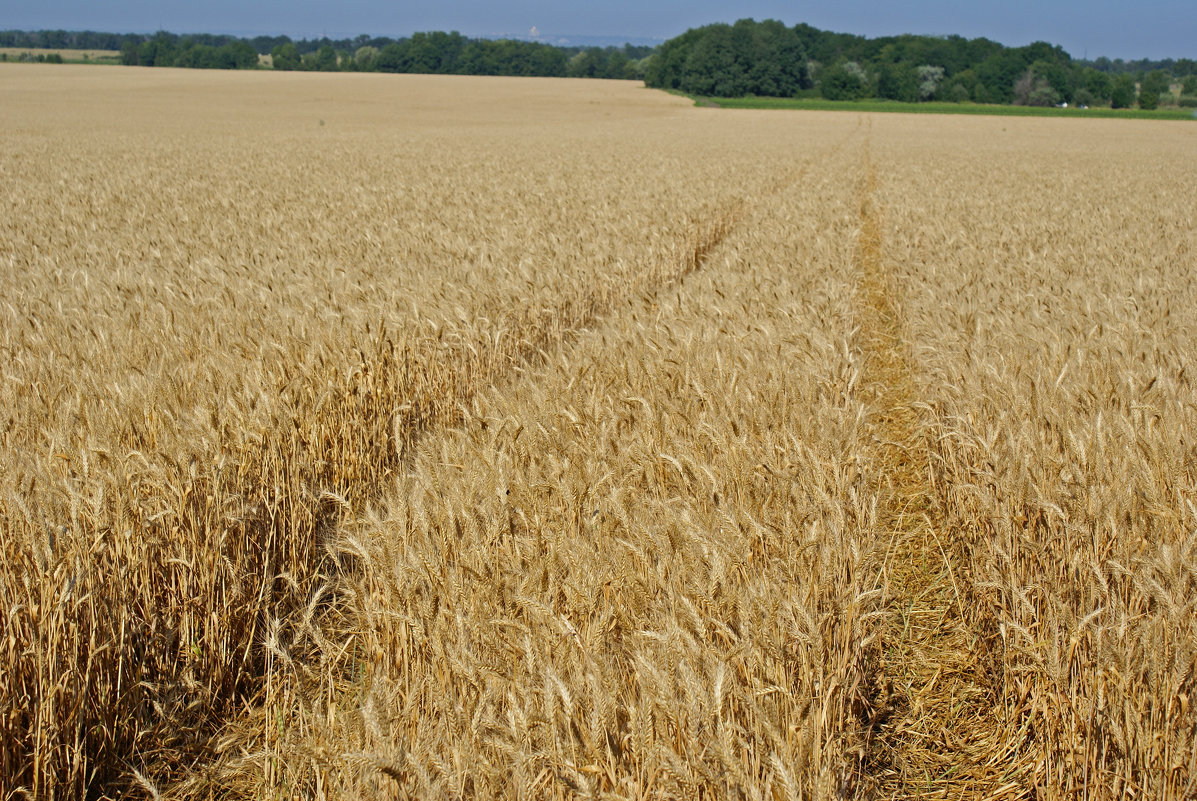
(534, 33)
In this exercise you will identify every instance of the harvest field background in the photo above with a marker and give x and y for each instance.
(111, 57)
(410, 436)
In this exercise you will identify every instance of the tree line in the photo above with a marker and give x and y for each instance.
(434, 52)
(765, 58)
(770, 59)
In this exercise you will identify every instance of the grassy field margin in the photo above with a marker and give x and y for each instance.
(892, 106)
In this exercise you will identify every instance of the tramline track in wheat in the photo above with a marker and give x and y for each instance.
(938, 735)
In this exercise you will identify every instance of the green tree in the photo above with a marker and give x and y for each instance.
(898, 82)
(549, 62)
(421, 54)
(56, 38)
(1058, 76)
(929, 79)
(712, 68)
(389, 59)
(588, 63)
(999, 73)
(1189, 87)
(242, 54)
(844, 80)
(617, 64)
(957, 93)
(449, 46)
(365, 57)
(773, 57)
(129, 53)
(1098, 84)
(966, 80)
(159, 51)
(765, 58)
(1122, 93)
(1155, 81)
(285, 57)
(1151, 87)
(1032, 89)
(325, 59)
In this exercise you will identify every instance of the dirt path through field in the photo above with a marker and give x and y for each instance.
(939, 737)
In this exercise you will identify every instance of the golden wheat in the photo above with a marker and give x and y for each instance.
(445, 437)
(636, 571)
(1049, 299)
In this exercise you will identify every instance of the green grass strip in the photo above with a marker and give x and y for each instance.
(893, 106)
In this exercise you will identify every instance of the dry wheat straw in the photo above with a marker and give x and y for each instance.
(411, 453)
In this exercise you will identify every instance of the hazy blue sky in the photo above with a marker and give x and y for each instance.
(1116, 28)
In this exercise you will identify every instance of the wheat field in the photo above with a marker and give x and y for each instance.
(436, 437)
